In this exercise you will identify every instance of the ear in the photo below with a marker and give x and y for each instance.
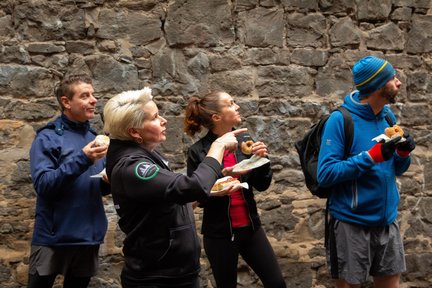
(65, 102)
(216, 117)
(133, 133)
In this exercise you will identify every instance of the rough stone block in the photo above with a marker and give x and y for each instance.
(263, 27)
(345, 33)
(309, 57)
(402, 14)
(306, 30)
(204, 23)
(386, 37)
(373, 9)
(420, 36)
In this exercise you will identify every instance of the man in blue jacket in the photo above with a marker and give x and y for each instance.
(70, 221)
(364, 236)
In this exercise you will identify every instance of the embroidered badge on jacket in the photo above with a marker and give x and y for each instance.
(146, 171)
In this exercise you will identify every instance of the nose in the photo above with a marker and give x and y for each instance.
(93, 99)
(398, 82)
(163, 120)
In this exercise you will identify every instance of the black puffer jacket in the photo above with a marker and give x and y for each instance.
(161, 240)
(216, 220)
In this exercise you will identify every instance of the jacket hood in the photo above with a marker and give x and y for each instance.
(363, 110)
(117, 150)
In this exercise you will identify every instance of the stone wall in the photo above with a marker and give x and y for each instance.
(286, 62)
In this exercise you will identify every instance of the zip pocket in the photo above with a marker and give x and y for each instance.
(182, 244)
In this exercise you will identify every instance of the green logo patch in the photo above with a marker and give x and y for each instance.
(146, 171)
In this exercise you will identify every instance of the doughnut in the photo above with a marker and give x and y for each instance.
(391, 131)
(246, 147)
(102, 140)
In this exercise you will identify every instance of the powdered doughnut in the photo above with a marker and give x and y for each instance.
(390, 131)
(102, 140)
(246, 147)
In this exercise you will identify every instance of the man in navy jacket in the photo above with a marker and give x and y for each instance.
(364, 233)
(70, 221)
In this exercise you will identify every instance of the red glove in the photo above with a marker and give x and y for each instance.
(381, 152)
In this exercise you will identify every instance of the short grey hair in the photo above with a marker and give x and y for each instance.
(125, 111)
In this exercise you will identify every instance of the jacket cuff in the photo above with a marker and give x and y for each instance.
(403, 153)
(376, 154)
(87, 161)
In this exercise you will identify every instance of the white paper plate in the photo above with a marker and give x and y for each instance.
(222, 192)
(100, 174)
(386, 138)
(251, 163)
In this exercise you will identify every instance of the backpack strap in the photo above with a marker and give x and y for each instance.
(349, 130)
(389, 119)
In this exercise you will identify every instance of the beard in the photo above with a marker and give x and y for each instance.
(390, 94)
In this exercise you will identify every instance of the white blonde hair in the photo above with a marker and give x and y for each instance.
(125, 111)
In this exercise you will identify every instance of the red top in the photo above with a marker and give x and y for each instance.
(238, 211)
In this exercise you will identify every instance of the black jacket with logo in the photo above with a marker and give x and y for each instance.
(216, 220)
(152, 202)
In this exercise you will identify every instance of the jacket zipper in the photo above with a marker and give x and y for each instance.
(354, 200)
(384, 220)
(247, 207)
(229, 218)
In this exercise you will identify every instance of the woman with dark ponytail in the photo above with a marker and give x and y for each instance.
(231, 225)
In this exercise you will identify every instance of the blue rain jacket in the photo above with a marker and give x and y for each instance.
(69, 207)
(362, 192)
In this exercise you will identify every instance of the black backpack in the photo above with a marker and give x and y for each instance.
(308, 149)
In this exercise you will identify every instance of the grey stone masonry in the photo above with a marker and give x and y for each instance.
(286, 63)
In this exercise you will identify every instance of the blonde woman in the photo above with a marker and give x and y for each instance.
(161, 247)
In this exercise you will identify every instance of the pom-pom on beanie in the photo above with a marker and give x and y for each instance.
(371, 73)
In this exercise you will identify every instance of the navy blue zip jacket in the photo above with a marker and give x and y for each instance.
(69, 207)
(363, 192)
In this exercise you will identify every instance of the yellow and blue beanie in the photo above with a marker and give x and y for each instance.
(371, 73)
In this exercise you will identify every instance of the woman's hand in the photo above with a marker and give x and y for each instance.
(228, 191)
(260, 149)
(229, 139)
(228, 172)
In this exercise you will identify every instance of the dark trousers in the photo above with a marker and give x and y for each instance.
(127, 282)
(37, 281)
(254, 248)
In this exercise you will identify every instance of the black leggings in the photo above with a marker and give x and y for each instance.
(254, 248)
(37, 281)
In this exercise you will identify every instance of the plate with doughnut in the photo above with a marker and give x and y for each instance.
(390, 133)
(254, 162)
(222, 185)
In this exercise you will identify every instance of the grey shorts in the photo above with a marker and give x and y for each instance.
(354, 252)
(78, 261)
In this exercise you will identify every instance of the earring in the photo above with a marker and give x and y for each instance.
(139, 140)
